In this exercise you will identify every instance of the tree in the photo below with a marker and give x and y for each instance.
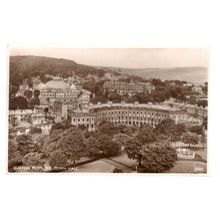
(205, 122)
(180, 129)
(102, 145)
(13, 90)
(203, 136)
(34, 101)
(108, 128)
(146, 134)
(72, 144)
(121, 139)
(158, 157)
(14, 155)
(157, 82)
(134, 150)
(166, 127)
(57, 160)
(36, 93)
(19, 102)
(40, 139)
(33, 159)
(202, 103)
(115, 97)
(25, 144)
(190, 138)
(35, 130)
(107, 147)
(50, 142)
(125, 130)
(196, 129)
(64, 125)
(151, 157)
(28, 94)
(93, 146)
(82, 127)
(46, 110)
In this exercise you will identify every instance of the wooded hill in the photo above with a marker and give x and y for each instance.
(25, 67)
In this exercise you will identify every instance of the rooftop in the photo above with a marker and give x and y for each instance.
(56, 83)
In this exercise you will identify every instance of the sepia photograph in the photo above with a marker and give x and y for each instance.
(107, 110)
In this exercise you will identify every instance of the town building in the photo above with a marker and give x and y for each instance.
(61, 107)
(25, 118)
(83, 119)
(19, 115)
(130, 114)
(132, 88)
(58, 89)
(195, 113)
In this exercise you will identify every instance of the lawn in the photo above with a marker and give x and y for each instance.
(105, 166)
(188, 167)
(108, 165)
(98, 166)
(123, 158)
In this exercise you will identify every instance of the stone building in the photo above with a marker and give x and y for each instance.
(130, 114)
(61, 107)
(58, 89)
(131, 88)
(85, 119)
(20, 115)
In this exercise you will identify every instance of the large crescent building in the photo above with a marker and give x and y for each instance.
(130, 114)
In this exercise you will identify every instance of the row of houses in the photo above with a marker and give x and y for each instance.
(132, 88)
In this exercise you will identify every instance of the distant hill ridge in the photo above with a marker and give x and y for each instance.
(23, 66)
(191, 74)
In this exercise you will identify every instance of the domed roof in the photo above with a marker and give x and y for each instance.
(57, 83)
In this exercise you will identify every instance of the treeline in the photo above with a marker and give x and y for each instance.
(28, 101)
(65, 145)
(163, 91)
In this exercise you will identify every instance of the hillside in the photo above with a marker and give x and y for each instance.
(25, 67)
(190, 74)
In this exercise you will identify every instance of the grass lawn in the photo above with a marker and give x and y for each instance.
(105, 166)
(123, 158)
(188, 167)
(98, 166)
(108, 165)
(202, 153)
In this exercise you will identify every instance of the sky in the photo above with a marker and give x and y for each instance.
(122, 57)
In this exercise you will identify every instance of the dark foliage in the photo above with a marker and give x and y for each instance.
(19, 102)
(64, 125)
(158, 158)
